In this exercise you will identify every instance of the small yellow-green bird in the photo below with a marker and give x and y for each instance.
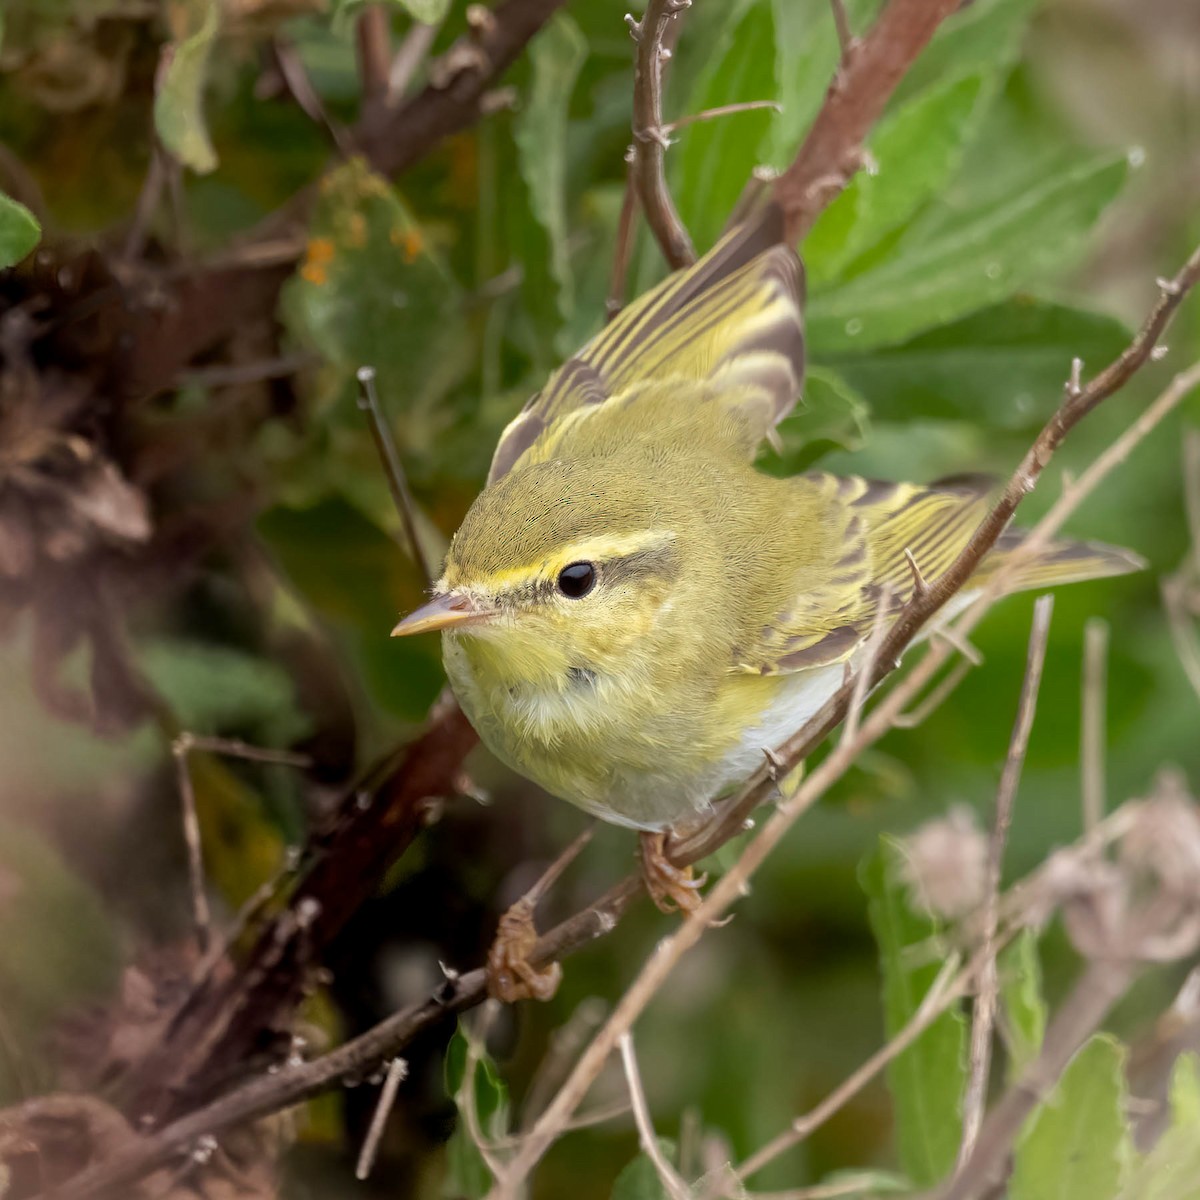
(631, 612)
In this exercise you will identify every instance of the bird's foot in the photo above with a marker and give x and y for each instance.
(510, 974)
(671, 888)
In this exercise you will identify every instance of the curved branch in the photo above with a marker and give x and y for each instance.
(870, 71)
(658, 28)
(273, 1092)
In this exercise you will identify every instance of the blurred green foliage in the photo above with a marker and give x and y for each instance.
(994, 236)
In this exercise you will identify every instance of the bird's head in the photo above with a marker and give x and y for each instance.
(558, 570)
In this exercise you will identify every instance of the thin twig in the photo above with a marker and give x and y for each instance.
(270, 1093)
(1102, 983)
(236, 748)
(732, 884)
(1092, 720)
(623, 250)
(936, 697)
(650, 140)
(949, 986)
(668, 1176)
(233, 374)
(862, 677)
(300, 88)
(984, 1015)
(201, 916)
(374, 37)
(147, 205)
(393, 468)
(841, 22)
(1191, 490)
(721, 110)
(1179, 589)
(397, 1070)
(410, 54)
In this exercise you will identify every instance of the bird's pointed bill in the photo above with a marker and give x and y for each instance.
(450, 611)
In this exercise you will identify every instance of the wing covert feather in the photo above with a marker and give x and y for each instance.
(735, 317)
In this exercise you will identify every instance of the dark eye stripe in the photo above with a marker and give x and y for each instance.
(576, 580)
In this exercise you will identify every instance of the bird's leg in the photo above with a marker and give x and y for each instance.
(670, 887)
(510, 974)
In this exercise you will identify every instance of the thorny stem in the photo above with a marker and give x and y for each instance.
(649, 138)
(659, 966)
(269, 1093)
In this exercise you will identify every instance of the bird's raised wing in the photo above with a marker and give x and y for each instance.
(735, 318)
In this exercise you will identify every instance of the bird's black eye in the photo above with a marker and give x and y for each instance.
(576, 580)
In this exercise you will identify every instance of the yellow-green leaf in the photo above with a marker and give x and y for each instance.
(1076, 1145)
(179, 102)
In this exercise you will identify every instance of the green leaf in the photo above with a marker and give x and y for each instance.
(19, 231)
(1075, 1145)
(209, 686)
(927, 1079)
(179, 102)
(1004, 366)
(985, 257)
(985, 34)
(1023, 1010)
(639, 1179)
(1171, 1170)
(806, 56)
(830, 414)
(466, 1172)
(540, 133)
(915, 150)
(713, 161)
(371, 291)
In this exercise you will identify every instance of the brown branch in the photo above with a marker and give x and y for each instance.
(623, 250)
(984, 1015)
(279, 985)
(870, 70)
(656, 970)
(218, 1033)
(458, 82)
(374, 40)
(653, 34)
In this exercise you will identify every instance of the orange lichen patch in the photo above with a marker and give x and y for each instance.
(318, 255)
(409, 242)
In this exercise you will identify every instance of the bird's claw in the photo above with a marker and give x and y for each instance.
(510, 974)
(671, 888)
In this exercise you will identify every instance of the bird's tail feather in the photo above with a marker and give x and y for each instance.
(1057, 563)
